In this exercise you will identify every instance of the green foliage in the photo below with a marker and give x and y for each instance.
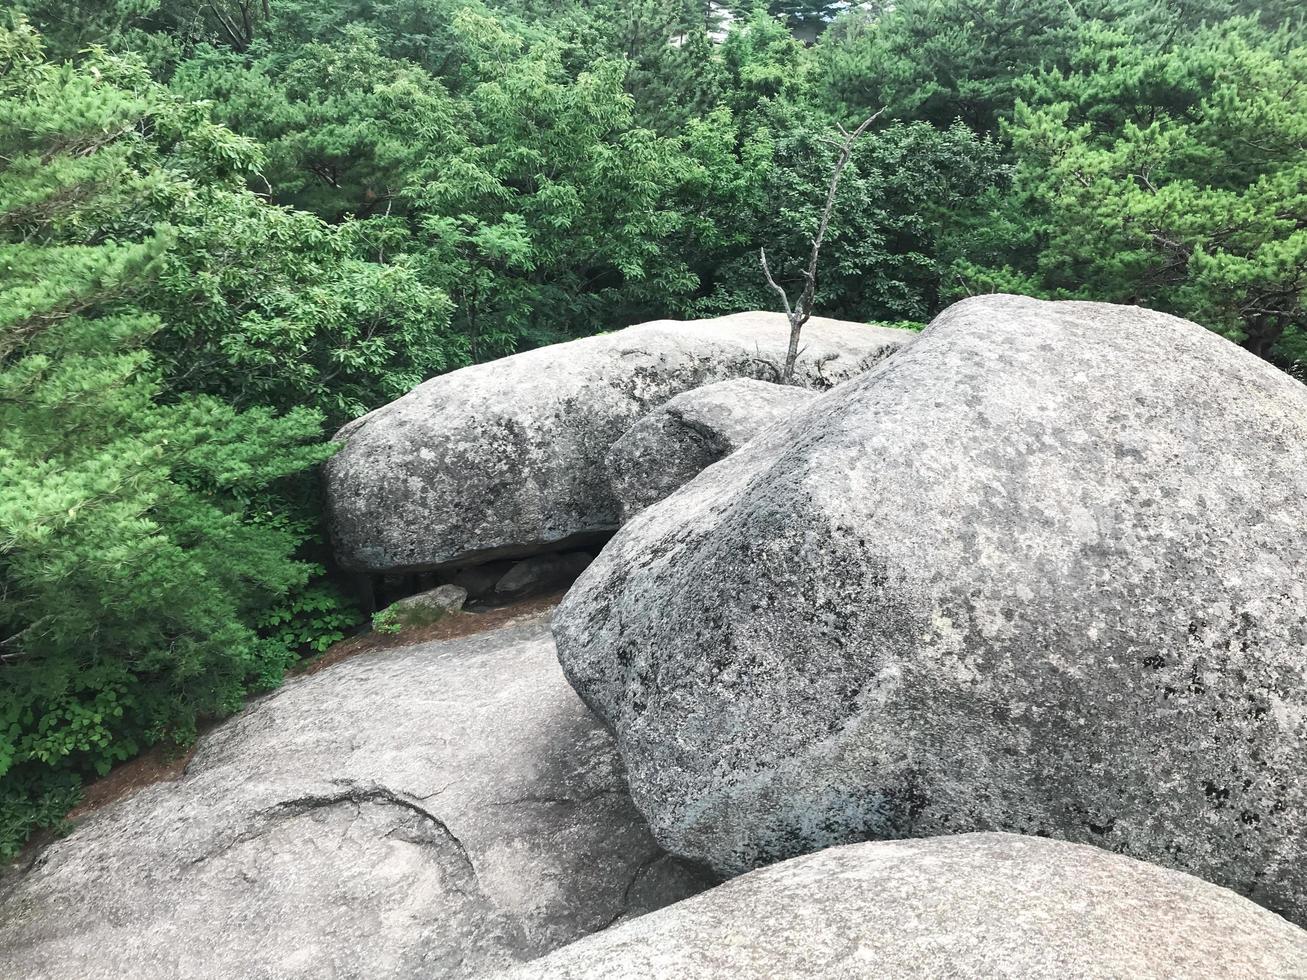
(341, 124)
(553, 211)
(942, 61)
(1186, 193)
(898, 197)
(136, 556)
(227, 227)
(761, 61)
(310, 619)
(266, 306)
(386, 621)
(397, 618)
(35, 805)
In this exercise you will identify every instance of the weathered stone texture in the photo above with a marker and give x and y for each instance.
(674, 443)
(437, 810)
(506, 459)
(1044, 571)
(970, 906)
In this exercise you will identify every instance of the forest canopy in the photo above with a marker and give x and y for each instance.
(227, 227)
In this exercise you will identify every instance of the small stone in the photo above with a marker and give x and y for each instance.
(427, 607)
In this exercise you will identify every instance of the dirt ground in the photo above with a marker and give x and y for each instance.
(448, 628)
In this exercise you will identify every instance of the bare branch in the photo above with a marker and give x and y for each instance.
(11, 647)
(785, 300)
(237, 41)
(846, 154)
(801, 311)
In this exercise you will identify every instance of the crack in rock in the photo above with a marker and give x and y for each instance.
(641, 870)
(713, 440)
(560, 800)
(274, 816)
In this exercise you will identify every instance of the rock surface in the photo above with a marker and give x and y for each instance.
(506, 459)
(975, 905)
(537, 574)
(1043, 571)
(427, 607)
(674, 443)
(480, 580)
(436, 810)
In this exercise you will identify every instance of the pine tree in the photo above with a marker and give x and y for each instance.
(1174, 177)
(133, 558)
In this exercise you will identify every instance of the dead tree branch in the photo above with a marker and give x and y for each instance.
(801, 311)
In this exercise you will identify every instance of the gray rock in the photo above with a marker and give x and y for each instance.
(1044, 571)
(436, 810)
(531, 576)
(480, 580)
(506, 459)
(428, 607)
(672, 444)
(975, 905)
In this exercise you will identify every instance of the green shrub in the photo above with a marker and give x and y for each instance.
(386, 621)
(311, 619)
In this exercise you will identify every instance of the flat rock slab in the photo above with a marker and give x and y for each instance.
(688, 433)
(976, 905)
(1042, 571)
(436, 810)
(505, 459)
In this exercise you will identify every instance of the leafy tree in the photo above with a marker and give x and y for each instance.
(907, 188)
(942, 60)
(1174, 178)
(341, 124)
(806, 18)
(69, 26)
(265, 306)
(170, 345)
(673, 73)
(553, 217)
(761, 61)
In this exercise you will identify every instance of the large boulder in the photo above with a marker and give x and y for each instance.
(1043, 571)
(506, 459)
(976, 905)
(437, 810)
(672, 444)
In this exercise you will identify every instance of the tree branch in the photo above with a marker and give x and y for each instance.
(236, 39)
(799, 314)
(785, 300)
